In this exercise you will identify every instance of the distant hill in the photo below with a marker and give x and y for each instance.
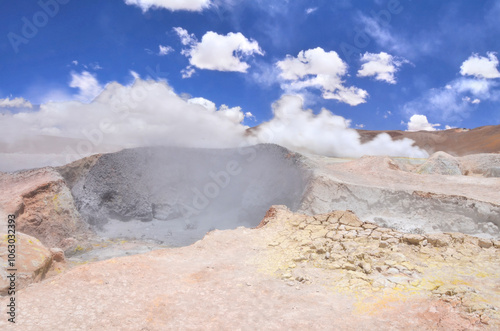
(458, 142)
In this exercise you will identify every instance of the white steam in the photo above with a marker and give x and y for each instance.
(145, 113)
(149, 113)
(326, 134)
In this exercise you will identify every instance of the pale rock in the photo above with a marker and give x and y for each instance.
(364, 233)
(367, 268)
(383, 244)
(484, 243)
(33, 261)
(57, 254)
(319, 234)
(392, 241)
(349, 218)
(390, 263)
(349, 266)
(386, 236)
(369, 226)
(351, 234)
(457, 237)
(413, 239)
(439, 240)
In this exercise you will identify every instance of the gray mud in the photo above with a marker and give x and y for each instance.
(176, 195)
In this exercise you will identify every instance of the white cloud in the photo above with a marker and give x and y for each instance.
(315, 68)
(311, 10)
(188, 72)
(185, 37)
(481, 67)
(173, 5)
(382, 66)
(218, 52)
(456, 100)
(250, 116)
(95, 66)
(135, 75)
(420, 123)
(325, 133)
(164, 50)
(87, 84)
(474, 102)
(15, 103)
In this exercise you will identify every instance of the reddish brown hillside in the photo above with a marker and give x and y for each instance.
(458, 142)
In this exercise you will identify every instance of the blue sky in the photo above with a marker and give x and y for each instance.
(414, 55)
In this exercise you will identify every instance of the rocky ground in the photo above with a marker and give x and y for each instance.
(44, 208)
(373, 243)
(293, 272)
(439, 194)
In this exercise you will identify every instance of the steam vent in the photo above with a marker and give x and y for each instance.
(373, 238)
(248, 165)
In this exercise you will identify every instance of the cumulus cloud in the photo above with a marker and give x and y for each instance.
(172, 5)
(15, 103)
(325, 133)
(315, 68)
(481, 67)
(88, 85)
(382, 66)
(420, 123)
(218, 52)
(164, 50)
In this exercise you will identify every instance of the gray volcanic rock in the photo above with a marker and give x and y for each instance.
(492, 172)
(441, 163)
(178, 189)
(487, 165)
(379, 191)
